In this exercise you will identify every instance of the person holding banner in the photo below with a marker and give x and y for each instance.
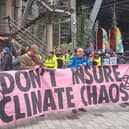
(51, 61)
(31, 59)
(97, 60)
(78, 61)
(59, 57)
(6, 60)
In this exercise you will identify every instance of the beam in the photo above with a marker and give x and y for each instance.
(118, 2)
(53, 9)
(49, 37)
(50, 33)
(94, 13)
(18, 11)
(26, 12)
(45, 5)
(74, 24)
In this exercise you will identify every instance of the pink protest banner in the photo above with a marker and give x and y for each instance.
(30, 93)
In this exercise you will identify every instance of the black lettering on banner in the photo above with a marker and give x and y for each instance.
(36, 102)
(42, 71)
(107, 74)
(35, 78)
(98, 75)
(83, 88)
(116, 74)
(77, 75)
(49, 101)
(28, 105)
(114, 97)
(125, 81)
(90, 80)
(52, 77)
(3, 116)
(59, 92)
(5, 88)
(18, 113)
(70, 97)
(124, 92)
(20, 84)
(103, 96)
(73, 76)
(92, 94)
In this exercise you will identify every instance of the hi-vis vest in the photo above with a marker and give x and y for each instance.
(50, 63)
(98, 61)
(67, 59)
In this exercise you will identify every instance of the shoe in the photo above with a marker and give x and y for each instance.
(74, 111)
(82, 110)
(127, 104)
(123, 105)
(42, 115)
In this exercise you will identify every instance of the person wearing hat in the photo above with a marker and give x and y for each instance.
(6, 60)
(50, 61)
(31, 59)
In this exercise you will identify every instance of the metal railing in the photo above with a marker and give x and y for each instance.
(23, 35)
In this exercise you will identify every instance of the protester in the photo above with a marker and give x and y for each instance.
(6, 60)
(16, 60)
(51, 61)
(31, 59)
(77, 61)
(91, 56)
(59, 57)
(75, 53)
(97, 60)
(22, 51)
(68, 55)
(27, 48)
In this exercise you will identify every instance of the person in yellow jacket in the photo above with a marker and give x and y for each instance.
(97, 60)
(68, 57)
(51, 61)
(60, 58)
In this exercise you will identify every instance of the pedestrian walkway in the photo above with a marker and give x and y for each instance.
(102, 117)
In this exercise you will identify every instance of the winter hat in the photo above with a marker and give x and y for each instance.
(6, 49)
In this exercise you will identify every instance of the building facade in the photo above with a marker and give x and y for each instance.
(11, 8)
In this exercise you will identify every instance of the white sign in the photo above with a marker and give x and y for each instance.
(113, 60)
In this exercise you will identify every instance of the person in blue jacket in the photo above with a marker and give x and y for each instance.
(78, 61)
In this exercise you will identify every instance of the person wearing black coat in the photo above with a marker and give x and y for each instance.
(6, 60)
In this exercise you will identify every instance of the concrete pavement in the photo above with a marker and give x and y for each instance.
(102, 117)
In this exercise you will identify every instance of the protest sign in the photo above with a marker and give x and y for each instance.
(113, 60)
(30, 93)
(105, 60)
